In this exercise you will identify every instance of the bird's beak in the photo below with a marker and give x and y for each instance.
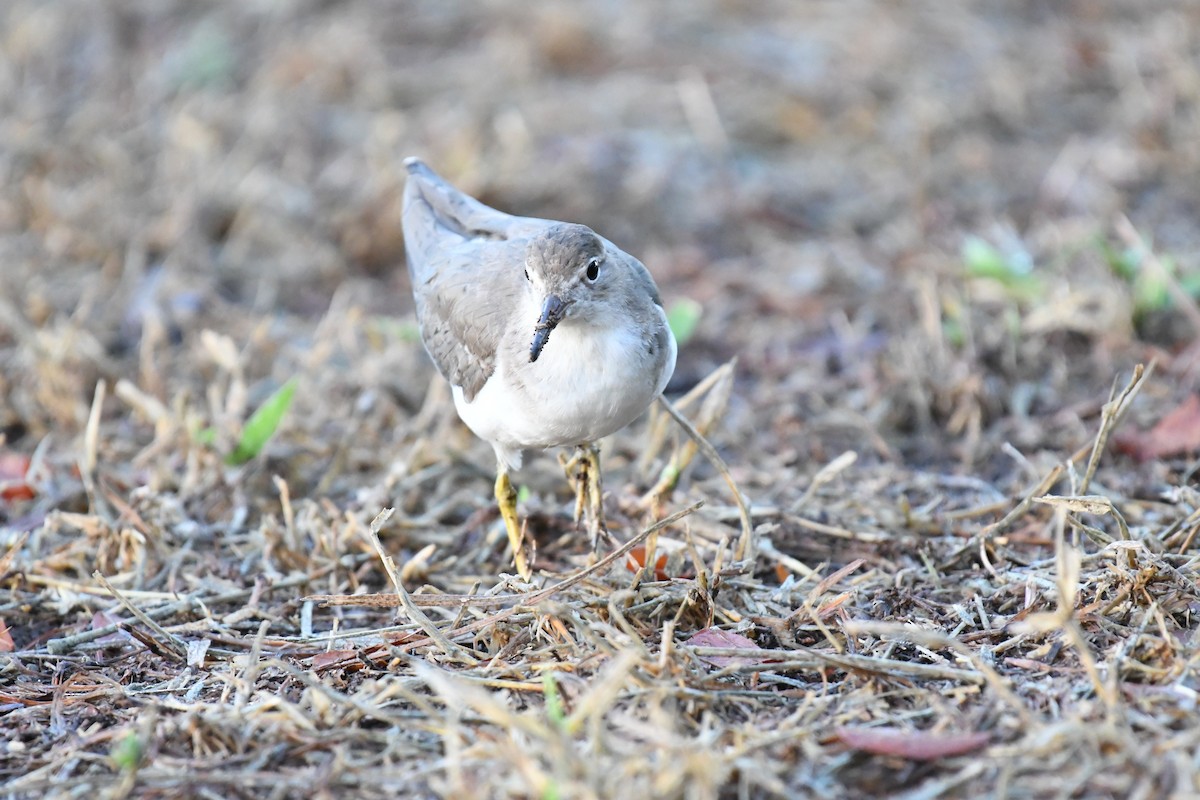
(553, 309)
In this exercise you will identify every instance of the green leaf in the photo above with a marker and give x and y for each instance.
(1013, 271)
(1150, 293)
(554, 706)
(523, 494)
(684, 317)
(262, 424)
(1191, 283)
(982, 260)
(126, 752)
(1125, 263)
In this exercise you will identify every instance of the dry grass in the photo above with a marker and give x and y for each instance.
(955, 583)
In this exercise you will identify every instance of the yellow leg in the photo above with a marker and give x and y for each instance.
(583, 473)
(590, 472)
(595, 497)
(576, 472)
(506, 498)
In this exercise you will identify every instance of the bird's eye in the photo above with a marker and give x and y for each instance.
(593, 270)
(526, 274)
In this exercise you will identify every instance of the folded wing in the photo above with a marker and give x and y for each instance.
(466, 263)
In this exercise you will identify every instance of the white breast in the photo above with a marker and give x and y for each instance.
(588, 383)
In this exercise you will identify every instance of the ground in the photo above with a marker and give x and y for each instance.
(945, 258)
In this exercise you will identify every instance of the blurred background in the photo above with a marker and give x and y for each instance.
(903, 219)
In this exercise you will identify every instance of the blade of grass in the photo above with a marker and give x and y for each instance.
(684, 317)
(262, 425)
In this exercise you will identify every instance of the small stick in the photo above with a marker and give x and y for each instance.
(501, 600)
(415, 614)
(824, 475)
(752, 659)
(1107, 426)
(171, 643)
(745, 547)
(539, 597)
(1020, 508)
(1113, 412)
(65, 644)
(658, 427)
(929, 638)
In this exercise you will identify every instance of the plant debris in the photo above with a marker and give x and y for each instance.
(945, 543)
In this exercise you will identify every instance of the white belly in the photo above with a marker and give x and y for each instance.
(588, 382)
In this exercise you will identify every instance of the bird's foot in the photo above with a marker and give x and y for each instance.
(583, 473)
(506, 498)
(575, 469)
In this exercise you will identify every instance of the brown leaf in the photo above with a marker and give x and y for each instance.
(1178, 432)
(13, 468)
(911, 744)
(715, 637)
(828, 608)
(637, 559)
(335, 658)
(100, 620)
(6, 641)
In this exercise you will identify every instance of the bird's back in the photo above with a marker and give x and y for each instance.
(464, 259)
(440, 219)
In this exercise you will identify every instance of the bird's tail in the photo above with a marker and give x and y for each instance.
(427, 194)
(438, 217)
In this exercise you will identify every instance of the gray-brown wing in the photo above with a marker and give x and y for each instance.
(437, 216)
(465, 260)
(463, 307)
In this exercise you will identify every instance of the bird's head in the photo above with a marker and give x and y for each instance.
(566, 268)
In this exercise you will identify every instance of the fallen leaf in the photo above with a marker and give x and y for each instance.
(6, 640)
(828, 608)
(911, 744)
(715, 637)
(1178, 432)
(102, 620)
(13, 469)
(636, 560)
(335, 658)
(13, 465)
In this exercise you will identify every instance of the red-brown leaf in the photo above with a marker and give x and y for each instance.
(335, 658)
(715, 637)
(13, 468)
(6, 640)
(636, 560)
(100, 620)
(910, 744)
(1178, 432)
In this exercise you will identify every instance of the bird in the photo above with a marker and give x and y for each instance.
(549, 334)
